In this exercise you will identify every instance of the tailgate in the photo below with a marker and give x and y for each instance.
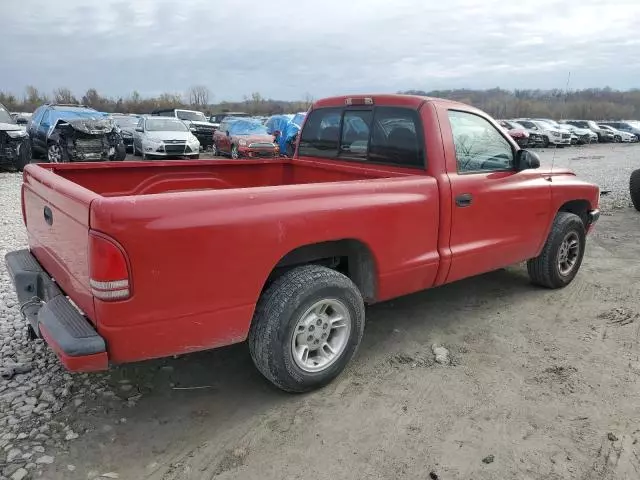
(56, 213)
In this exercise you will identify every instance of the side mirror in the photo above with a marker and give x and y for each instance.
(526, 160)
(139, 129)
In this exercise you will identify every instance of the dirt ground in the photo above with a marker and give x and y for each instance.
(543, 385)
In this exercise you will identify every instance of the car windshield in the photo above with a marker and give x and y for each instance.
(5, 117)
(165, 125)
(191, 116)
(245, 127)
(126, 122)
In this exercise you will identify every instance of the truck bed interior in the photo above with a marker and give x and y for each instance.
(145, 178)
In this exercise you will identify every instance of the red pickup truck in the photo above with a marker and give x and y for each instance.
(386, 195)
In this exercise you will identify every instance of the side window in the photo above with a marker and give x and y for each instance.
(355, 133)
(321, 134)
(35, 119)
(479, 146)
(140, 123)
(223, 128)
(46, 118)
(396, 138)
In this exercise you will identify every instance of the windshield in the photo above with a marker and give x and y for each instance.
(191, 116)
(165, 125)
(4, 115)
(126, 122)
(244, 127)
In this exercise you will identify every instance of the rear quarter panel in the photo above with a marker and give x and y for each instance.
(199, 260)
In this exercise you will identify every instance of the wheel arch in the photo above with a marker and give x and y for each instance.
(579, 207)
(350, 257)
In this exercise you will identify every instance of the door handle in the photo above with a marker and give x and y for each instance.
(464, 200)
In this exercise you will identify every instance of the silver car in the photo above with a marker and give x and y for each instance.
(162, 137)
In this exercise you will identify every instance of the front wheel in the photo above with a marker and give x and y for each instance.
(121, 152)
(214, 150)
(617, 139)
(235, 153)
(545, 142)
(307, 326)
(561, 257)
(56, 154)
(24, 155)
(634, 188)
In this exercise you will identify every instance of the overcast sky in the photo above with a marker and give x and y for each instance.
(285, 49)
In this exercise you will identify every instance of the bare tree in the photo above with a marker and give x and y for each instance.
(199, 96)
(63, 95)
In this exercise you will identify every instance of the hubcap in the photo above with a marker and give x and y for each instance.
(568, 253)
(234, 152)
(214, 150)
(54, 154)
(321, 335)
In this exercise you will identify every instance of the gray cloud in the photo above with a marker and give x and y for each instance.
(284, 49)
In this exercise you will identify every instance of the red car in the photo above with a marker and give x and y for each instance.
(516, 131)
(386, 195)
(244, 138)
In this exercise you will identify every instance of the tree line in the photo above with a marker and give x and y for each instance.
(588, 104)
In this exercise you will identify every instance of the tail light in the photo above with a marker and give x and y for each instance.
(108, 269)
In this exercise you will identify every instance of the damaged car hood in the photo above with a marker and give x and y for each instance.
(10, 127)
(91, 126)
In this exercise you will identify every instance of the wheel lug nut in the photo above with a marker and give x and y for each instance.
(317, 342)
(325, 326)
(309, 338)
(311, 328)
(324, 335)
(318, 322)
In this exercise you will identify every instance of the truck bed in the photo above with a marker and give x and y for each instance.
(146, 178)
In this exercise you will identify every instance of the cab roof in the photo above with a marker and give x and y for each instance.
(396, 100)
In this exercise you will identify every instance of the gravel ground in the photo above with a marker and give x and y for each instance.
(554, 371)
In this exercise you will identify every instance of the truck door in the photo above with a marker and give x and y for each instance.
(499, 215)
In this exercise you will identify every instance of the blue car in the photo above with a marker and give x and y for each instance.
(286, 129)
(74, 133)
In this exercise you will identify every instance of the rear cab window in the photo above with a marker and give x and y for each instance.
(382, 135)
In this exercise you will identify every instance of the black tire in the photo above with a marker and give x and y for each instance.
(545, 142)
(544, 270)
(634, 188)
(214, 150)
(277, 313)
(617, 139)
(121, 153)
(136, 152)
(24, 156)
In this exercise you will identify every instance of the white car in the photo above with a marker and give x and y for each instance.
(551, 135)
(582, 136)
(162, 137)
(619, 135)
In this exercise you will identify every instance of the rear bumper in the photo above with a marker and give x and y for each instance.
(53, 317)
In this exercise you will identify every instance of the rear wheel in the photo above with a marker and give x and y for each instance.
(634, 189)
(561, 257)
(307, 326)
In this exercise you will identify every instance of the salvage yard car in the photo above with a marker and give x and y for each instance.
(551, 135)
(127, 125)
(158, 137)
(15, 148)
(240, 137)
(158, 259)
(196, 121)
(618, 135)
(74, 133)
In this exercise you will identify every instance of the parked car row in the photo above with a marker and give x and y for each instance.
(545, 132)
